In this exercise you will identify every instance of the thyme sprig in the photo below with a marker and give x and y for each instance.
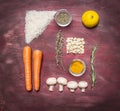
(58, 48)
(93, 76)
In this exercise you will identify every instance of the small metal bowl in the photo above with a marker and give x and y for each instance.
(63, 18)
(82, 72)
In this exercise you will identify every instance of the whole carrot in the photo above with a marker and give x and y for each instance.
(27, 67)
(37, 59)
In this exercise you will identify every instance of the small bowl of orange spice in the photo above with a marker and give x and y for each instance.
(77, 67)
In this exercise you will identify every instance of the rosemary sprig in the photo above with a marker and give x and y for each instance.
(59, 46)
(93, 76)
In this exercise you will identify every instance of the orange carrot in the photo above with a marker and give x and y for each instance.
(27, 67)
(37, 59)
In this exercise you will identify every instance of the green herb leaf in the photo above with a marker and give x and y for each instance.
(93, 76)
(58, 48)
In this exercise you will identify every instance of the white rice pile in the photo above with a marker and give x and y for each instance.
(36, 22)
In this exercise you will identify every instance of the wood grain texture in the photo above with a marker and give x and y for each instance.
(106, 94)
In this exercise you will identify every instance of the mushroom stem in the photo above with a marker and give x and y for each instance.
(60, 87)
(72, 90)
(83, 90)
(51, 88)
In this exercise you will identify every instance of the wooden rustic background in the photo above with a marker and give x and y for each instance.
(106, 94)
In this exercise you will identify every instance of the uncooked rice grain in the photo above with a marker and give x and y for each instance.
(36, 22)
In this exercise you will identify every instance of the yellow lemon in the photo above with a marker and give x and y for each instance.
(90, 18)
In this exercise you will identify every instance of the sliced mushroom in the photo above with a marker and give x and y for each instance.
(72, 85)
(62, 82)
(51, 82)
(83, 85)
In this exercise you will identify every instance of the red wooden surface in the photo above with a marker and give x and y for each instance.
(106, 94)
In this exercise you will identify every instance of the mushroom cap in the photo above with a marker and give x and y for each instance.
(51, 81)
(62, 80)
(82, 84)
(72, 84)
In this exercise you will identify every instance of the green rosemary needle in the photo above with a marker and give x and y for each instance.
(93, 76)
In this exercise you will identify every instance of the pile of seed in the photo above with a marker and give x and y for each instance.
(75, 45)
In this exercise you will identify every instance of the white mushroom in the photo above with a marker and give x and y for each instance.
(83, 85)
(72, 85)
(51, 82)
(62, 82)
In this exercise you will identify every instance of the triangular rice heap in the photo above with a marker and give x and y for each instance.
(36, 22)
